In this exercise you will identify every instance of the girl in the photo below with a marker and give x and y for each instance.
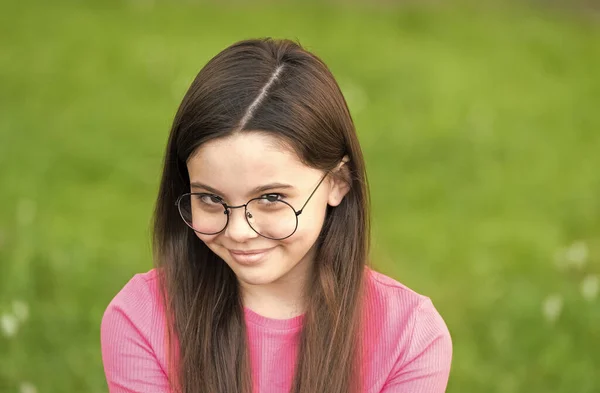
(261, 241)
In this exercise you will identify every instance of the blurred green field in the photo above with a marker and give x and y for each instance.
(481, 130)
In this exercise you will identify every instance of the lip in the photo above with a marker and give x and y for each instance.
(251, 256)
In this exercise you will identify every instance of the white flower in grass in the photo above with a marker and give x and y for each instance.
(576, 255)
(552, 307)
(9, 324)
(590, 287)
(27, 387)
(21, 310)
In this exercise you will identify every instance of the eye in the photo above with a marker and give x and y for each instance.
(210, 199)
(273, 197)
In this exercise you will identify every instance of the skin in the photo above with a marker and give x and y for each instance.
(234, 166)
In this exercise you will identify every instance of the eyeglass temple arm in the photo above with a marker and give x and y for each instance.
(311, 194)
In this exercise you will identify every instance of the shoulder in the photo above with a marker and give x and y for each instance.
(141, 284)
(139, 294)
(400, 306)
(388, 293)
(132, 338)
(136, 306)
(401, 320)
(406, 338)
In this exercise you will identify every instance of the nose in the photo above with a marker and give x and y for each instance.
(238, 228)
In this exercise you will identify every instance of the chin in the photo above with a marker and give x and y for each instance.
(257, 277)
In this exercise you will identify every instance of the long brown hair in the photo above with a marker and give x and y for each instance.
(277, 87)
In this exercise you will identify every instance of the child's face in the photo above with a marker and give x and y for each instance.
(235, 166)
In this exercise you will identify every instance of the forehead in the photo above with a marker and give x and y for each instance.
(245, 160)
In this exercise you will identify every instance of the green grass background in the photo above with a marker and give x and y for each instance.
(481, 130)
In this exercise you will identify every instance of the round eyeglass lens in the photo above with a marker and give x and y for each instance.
(203, 213)
(270, 218)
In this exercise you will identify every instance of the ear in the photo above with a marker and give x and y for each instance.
(339, 183)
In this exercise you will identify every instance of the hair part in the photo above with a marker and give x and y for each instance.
(261, 96)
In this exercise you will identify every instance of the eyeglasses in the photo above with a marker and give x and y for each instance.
(268, 216)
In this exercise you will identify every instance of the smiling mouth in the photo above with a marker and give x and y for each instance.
(249, 252)
(249, 257)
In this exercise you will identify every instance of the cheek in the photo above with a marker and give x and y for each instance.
(206, 238)
(309, 228)
(210, 242)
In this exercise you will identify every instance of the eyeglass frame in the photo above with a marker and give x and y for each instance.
(245, 206)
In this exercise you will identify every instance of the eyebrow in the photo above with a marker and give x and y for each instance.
(266, 187)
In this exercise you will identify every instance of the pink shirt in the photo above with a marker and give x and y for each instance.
(408, 344)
